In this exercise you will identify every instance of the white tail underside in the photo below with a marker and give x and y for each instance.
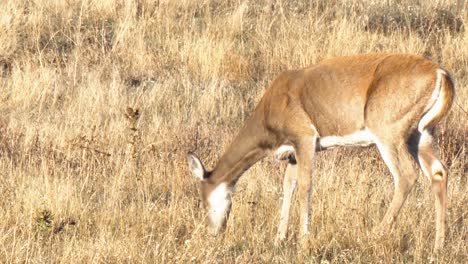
(436, 104)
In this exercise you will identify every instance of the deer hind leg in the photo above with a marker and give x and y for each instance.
(289, 186)
(397, 157)
(437, 174)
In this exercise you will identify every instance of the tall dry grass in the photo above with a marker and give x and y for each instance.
(84, 179)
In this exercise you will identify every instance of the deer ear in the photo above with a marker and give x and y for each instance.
(196, 167)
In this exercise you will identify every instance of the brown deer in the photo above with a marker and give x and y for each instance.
(391, 100)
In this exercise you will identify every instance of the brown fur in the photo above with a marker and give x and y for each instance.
(385, 93)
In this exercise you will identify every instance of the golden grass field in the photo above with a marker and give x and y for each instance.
(83, 182)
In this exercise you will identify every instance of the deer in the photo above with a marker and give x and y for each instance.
(393, 101)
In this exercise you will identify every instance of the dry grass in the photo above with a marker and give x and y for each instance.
(81, 183)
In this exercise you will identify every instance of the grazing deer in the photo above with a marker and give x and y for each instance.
(391, 100)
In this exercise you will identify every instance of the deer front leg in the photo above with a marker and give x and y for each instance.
(289, 186)
(301, 132)
(305, 159)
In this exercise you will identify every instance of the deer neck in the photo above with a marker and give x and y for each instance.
(248, 147)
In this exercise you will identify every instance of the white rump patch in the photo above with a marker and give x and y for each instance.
(434, 106)
(219, 202)
(426, 138)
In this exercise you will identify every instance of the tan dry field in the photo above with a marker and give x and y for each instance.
(81, 182)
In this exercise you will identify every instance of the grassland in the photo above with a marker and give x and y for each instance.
(83, 181)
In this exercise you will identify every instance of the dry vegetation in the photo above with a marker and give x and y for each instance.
(84, 179)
